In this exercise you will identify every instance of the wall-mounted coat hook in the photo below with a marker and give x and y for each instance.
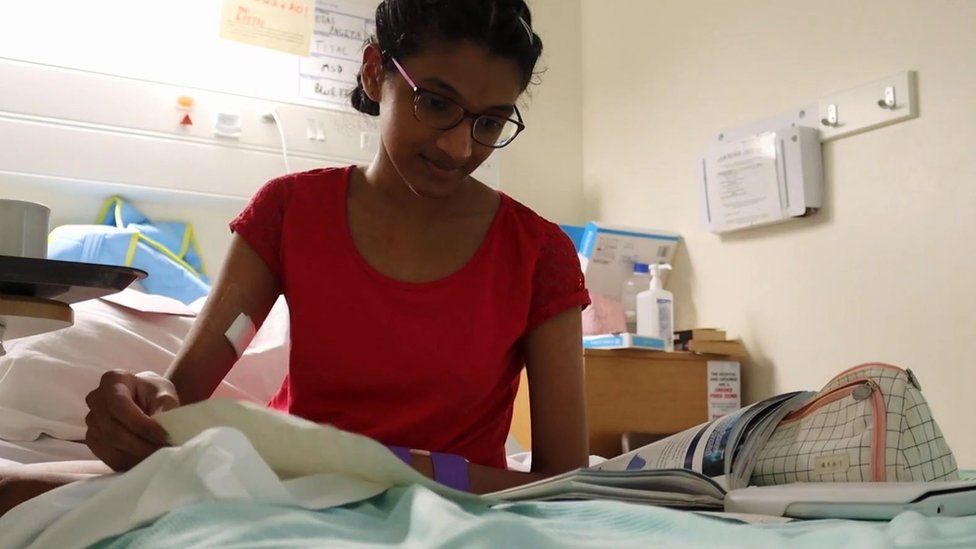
(872, 105)
(888, 101)
(831, 119)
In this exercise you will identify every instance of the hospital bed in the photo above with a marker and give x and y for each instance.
(416, 516)
(41, 450)
(409, 516)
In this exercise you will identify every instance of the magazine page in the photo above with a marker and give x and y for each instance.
(672, 488)
(678, 481)
(645, 497)
(691, 469)
(706, 449)
(757, 434)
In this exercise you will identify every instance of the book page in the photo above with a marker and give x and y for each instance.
(708, 448)
(672, 488)
(700, 462)
(758, 431)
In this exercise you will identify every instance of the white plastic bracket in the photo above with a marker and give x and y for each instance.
(888, 102)
(873, 105)
(831, 120)
(228, 125)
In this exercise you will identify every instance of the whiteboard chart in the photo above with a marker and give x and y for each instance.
(328, 75)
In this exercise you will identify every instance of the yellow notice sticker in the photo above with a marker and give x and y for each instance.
(284, 25)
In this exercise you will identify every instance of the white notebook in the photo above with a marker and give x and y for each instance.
(856, 500)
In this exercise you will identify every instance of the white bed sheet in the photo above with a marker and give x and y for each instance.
(41, 450)
(52, 449)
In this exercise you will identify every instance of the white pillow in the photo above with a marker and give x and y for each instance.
(44, 379)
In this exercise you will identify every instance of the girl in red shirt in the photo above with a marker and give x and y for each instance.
(416, 293)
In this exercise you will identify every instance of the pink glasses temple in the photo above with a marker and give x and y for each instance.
(403, 73)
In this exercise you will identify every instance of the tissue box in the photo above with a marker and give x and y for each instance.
(608, 253)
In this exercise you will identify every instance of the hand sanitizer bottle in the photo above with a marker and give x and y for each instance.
(637, 283)
(655, 309)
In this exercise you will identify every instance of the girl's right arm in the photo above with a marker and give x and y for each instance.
(120, 430)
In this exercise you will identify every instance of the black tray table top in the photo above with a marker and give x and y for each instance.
(64, 281)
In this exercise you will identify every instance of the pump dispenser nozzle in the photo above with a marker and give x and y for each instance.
(656, 274)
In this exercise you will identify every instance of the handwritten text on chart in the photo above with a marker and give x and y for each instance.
(324, 46)
(276, 24)
(324, 90)
(340, 32)
(330, 67)
(342, 26)
(288, 6)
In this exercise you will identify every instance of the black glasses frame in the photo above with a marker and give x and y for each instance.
(465, 113)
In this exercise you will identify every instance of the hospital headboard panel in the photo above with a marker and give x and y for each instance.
(70, 138)
(83, 125)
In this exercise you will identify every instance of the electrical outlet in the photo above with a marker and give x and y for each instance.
(228, 124)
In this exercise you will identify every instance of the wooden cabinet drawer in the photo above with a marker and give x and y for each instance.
(633, 391)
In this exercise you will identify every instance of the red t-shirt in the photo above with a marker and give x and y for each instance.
(432, 365)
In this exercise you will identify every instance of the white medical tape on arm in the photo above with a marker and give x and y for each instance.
(240, 333)
(228, 316)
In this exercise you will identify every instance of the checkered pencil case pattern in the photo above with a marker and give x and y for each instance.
(870, 423)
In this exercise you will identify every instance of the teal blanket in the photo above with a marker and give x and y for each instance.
(416, 517)
(299, 484)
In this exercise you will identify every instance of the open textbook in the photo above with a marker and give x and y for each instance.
(693, 469)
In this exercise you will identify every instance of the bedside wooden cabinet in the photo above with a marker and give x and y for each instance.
(633, 391)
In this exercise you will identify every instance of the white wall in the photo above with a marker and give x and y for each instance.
(174, 42)
(886, 270)
(543, 167)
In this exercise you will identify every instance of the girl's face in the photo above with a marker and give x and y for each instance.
(435, 163)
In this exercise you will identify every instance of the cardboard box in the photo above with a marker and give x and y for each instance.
(608, 253)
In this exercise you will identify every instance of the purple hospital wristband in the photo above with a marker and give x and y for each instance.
(451, 470)
(403, 453)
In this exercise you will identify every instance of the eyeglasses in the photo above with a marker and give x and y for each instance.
(442, 113)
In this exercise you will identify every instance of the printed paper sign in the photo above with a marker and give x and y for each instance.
(742, 184)
(284, 25)
(724, 388)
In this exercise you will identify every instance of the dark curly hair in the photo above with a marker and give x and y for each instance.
(403, 27)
